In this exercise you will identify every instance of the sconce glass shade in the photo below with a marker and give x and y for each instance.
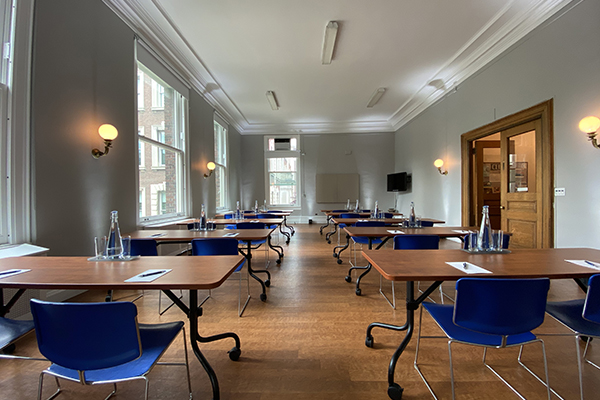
(108, 132)
(438, 163)
(211, 166)
(589, 124)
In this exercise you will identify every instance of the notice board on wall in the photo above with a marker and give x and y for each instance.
(337, 188)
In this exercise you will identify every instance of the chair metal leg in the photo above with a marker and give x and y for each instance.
(41, 384)
(550, 390)
(115, 391)
(451, 369)
(416, 362)
(172, 304)
(240, 308)
(187, 364)
(393, 302)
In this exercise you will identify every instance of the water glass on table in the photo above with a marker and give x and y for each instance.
(126, 240)
(472, 242)
(100, 246)
(497, 240)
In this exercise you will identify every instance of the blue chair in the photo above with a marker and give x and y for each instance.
(255, 243)
(341, 226)
(360, 240)
(582, 317)
(426, 224)
(229, 216)
(222, 247)
(97, 343)
(491, 313)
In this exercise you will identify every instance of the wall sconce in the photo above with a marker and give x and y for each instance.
(590, 126)
(108, 133)
(211, 167)
(439, 163)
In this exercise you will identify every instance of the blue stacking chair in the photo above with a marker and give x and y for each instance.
(582, 317)
(360, 240)
(98, 343)
(426, 224)
(342, 225)
(223, 247)
(491, 313)
(255, 243)
(411, 242)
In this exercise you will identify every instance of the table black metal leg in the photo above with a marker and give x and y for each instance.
(5, 308)
(394, 389)
(326, 225)
(193, 312)
(342, 248)
(291, 228)
(275, 248)
(332, 232)
(284, 233)
(265, 284)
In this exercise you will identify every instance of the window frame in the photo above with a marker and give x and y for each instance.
(268, 154)
(219, 167)
(181, 131)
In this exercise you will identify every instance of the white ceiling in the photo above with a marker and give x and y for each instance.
(234, 51)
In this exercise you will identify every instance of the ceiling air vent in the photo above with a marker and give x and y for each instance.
(282, 144)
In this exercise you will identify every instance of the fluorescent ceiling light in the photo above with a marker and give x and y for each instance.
(376, 96)
(272, 100)
(329, 42)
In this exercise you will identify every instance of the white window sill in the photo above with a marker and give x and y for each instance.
(21, 250)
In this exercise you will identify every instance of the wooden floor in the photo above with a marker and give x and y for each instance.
(307, 342)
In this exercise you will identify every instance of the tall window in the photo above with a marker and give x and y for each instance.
(221, 163)
(6, 35)
(283, 172)
(164, 149)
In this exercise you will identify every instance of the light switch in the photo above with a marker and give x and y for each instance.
(559, 192)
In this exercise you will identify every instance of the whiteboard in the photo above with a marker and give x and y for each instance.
(337, 188)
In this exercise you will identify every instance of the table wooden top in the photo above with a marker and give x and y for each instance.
(187, 235)
(389, 221)
(202, 272)
(430, 265)
(337, 214)
(383, 231)
(252, 214)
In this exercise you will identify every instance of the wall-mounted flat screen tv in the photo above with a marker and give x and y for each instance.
(398, 182)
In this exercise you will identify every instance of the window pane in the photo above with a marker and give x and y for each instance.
(521, 158)
(161, 168)
(283, 181)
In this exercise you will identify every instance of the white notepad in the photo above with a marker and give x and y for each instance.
(395, 232)
(460, 231)
(12, 272)
(468, 268)
(231, 234)
(149, 275)
(586, 263)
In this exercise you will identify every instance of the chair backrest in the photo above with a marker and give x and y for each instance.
(277, 211)
(350, 215)
(388, 215)
(339, 211)
(215, 247)
(264, 216)
(144, 247)
(365, 211)
(85, 336)
(370, 223)
(427, 224)
(250, 225)
(500, 306)
(591, 309)
(416, 242)
(229, 216)
(505, 241)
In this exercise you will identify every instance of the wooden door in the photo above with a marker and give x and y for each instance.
(521, 185)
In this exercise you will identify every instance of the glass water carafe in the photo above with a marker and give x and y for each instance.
(114, 244)
(484, 239)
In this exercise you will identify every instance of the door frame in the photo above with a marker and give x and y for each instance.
(543, 112)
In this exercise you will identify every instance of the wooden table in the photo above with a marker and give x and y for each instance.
(330, 215)
(245, 235)
(430, 265)
(189, 273)
(280, 213)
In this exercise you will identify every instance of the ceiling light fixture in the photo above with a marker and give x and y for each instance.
(375, 98)
(329, 42)
(272, 100)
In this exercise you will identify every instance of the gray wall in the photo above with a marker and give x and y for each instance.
(559, 61)
(84, 74)
(370, 155)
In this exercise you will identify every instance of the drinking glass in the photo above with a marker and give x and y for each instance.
(100, 246)
(472, 242)
(126, 240)
(418, 221)
(498, 238)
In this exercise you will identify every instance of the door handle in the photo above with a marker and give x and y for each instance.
(502, 207)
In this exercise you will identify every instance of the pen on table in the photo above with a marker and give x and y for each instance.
(465, 266)
(152, 273)
(592, 264)
(9, 272)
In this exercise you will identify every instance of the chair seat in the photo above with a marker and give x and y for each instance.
(365, 240)
(570, 314)
(443, 314)
(154, 339)
(11, 330)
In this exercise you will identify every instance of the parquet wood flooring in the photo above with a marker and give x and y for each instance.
(307, 342)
